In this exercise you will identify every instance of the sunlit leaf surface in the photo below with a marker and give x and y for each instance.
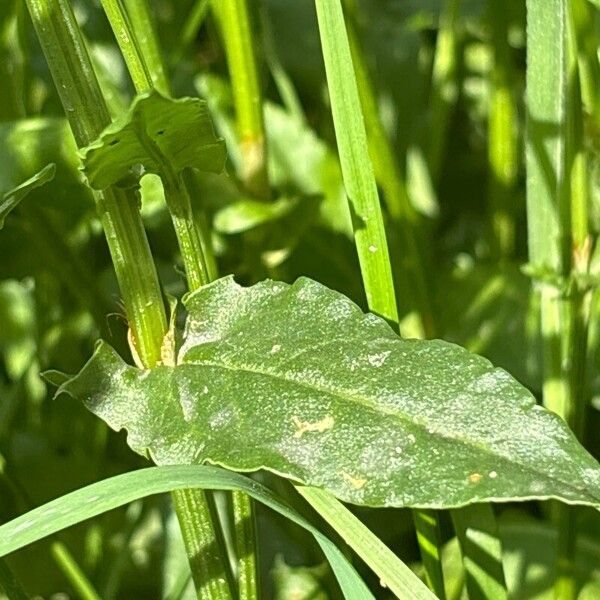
(297, 380)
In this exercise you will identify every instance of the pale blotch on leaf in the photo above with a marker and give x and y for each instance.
(356, 482)
(475, 478)
(275, 349)
(303, 427)
(376, 360)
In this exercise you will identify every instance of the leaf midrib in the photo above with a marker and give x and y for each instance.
(414, 424)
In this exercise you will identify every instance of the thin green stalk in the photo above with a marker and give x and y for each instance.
(285, 86)
(502, 139)
(10, 584)
(557, 205)
(392, 183)
(198, 522)
(141, 21)
(245, 532)
(204, 545)
(234, 21)
(369, 230)
(444, 86)
(191, 27)
(86, 111)
(122, 27)
(77, 578)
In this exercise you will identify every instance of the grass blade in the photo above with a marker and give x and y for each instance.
(111, 493)
(367, 217)
(357, 169)
(393, 573)
(73, 572)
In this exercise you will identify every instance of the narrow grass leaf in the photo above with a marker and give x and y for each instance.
(12, 198)
(393, 573)
(357, 169)
(111, 493)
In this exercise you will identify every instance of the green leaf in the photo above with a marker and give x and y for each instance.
(111, 493)
(392, 572)
(246, 214)
(12, 198)
(158, 133)
(297, 380)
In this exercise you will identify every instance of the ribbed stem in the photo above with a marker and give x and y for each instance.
(197, 514)
(86, 111)
(245, 532)
(197, 517)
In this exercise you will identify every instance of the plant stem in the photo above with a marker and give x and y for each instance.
(502, 139)
(369, 230)
(86, 111)
(203, 542)
(444, 86)
(198, 521)
(77, 578)
(140, 20)
(234, 20)
(245, 532)
(10, 584)
(557, 206)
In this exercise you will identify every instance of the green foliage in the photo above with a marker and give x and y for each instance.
(158, 134)
(432, 161)
(106, 495)
(296, 372)
(13, 197)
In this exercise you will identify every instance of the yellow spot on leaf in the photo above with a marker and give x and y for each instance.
(475, 477)
(356, 482)
(303, 427)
